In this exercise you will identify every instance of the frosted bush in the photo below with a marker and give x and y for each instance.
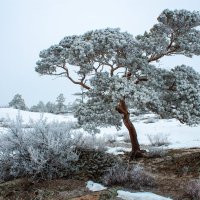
(150, 120)
(156, 151)
(139, 177)
(126, 137)
(110, 138)
(134, 176)
(45, 151)
(158, 139)
(2, 122)
(193, 189)
(88, 141)
(116, 175)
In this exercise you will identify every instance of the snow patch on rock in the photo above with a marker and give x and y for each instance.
(92, 186)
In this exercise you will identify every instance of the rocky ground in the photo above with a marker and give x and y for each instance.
(172, 172)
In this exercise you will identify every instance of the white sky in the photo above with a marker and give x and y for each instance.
(29, 26)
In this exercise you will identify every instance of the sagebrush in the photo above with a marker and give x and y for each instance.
(156, 151)
(158, 139)
(44, 151)
(129, 176)
(193, 189)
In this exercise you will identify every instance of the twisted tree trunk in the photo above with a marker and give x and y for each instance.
(122, 109)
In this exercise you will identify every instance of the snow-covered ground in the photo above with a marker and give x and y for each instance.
(10, 113)
(179, 135)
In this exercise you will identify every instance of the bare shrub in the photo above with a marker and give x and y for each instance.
(150, 120)
(3, 122)
(120, 134)
(139, 177)
(116, 175)
(156, 152)
(193, 189)
(125, 136)
(110, 138)
(158, 139)
(88, 141)
(134, 176)
(45, 151)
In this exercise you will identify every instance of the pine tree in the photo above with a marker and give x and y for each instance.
(18, 102)
(50, 107)
(117, 69)
(60, 103)
(40, 107)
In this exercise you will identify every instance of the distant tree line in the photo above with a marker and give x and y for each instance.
(56, 107)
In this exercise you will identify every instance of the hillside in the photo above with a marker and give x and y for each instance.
(179, 135)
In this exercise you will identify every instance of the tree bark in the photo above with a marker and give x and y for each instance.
(122, 109)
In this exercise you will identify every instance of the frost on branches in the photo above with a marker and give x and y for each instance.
(116, 69)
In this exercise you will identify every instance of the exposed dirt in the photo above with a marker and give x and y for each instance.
(172, 173)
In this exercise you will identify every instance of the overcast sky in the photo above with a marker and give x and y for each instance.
(29, 26)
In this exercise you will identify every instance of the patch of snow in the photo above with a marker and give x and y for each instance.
(140, 196)
(92, 186)
(117, 150)
(11, 113)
